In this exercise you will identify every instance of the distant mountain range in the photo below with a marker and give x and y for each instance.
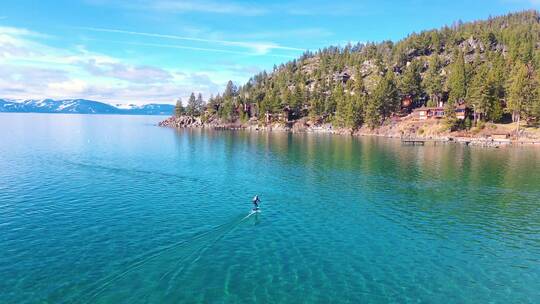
(81, 106)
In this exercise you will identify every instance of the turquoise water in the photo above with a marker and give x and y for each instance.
(111, 209)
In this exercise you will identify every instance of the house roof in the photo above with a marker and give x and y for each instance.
(429, 108)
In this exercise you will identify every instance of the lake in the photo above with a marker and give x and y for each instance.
(112, 209)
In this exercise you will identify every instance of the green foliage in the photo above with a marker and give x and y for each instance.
(433, 81)
(383, 102)
(522, 92)
(481, 125)
(467, 123)
(457, 81)
(497, 78)
(243, 115)
(227, 110)
(467, 62)
(316, 103)
(230, 90)
(411, 81)
(451, 122)
(481, 93)
(195, 105)
(179, 109)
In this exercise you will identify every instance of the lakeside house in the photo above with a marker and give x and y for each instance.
(461, 112)
(424, 113)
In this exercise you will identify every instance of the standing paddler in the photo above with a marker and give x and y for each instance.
(256, 200)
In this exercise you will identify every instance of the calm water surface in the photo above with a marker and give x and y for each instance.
(112, 209)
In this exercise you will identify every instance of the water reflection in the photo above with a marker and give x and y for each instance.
(444, 181)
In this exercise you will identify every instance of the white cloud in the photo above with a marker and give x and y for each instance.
(174, 46)
(71, 87)
(186, 6)
(24, 83)
(244, 9)
(257, 48)
(300, 33)
(136, 74)
(32, 69)
(221, 7)
(16, 42)
(18, 81)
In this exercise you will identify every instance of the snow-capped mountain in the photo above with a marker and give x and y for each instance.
(81, 106)
(147, 109)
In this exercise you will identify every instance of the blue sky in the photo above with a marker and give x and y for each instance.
(142, 51)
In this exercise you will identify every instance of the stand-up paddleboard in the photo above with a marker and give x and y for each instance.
(252, 212)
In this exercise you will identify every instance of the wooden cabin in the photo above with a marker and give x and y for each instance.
(425, 113)
(461, 112)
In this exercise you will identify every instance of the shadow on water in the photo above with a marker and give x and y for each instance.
(182, 255)
(131, 171)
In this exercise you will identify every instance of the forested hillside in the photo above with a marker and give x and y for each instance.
(490, 66)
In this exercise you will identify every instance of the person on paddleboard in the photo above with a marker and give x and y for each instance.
(256, 200)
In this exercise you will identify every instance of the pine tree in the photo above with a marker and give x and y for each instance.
(457, 81)
(433, 81)
(481, 94)
(285, 97)
(179, 109)
(316, 102)
(358, 102)
(450, 118)
(348, 109)
(411, 81)
(355, 110)
(383, 101)
(230, 90)
(191, 108)
(390, 95)
(372, 111)
(535, 106)
(497, 77)
(522, 92)
(199, 104)
(531, 89)
(436, 44)
(338, 101)
(359, 86)
(297, 99)
(331, 100)
(227, 110)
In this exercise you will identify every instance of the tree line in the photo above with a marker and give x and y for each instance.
(491, 66)
(195, 106)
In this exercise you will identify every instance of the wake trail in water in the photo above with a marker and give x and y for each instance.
(198, 252)
(135, 172)
(197, 244)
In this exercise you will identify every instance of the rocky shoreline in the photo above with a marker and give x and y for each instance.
(405, 130)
